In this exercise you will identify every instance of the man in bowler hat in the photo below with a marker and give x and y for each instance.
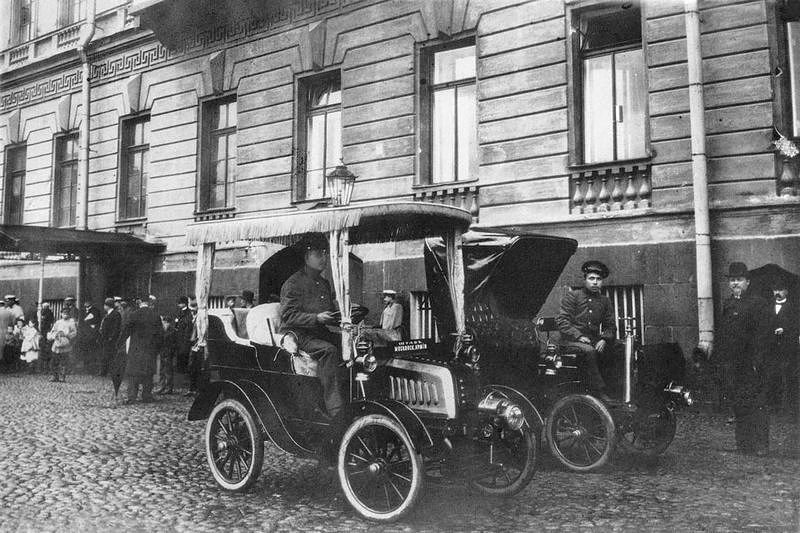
(783, 330)
(739, 356)
(587, 323)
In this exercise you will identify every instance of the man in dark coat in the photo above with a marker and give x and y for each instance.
(47, 321)
(88, 328)
(307, 306)
(587, 323)
(183, 325)
(143, 327)
(109, 335)
(783, 328)
(741, 337)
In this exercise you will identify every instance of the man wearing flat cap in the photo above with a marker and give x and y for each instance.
(741, 336)
(307, 306)
(587, 323)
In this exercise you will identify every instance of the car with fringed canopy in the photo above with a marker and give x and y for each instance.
(418, 411)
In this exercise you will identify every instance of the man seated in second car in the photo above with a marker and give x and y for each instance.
(307, 306)
(587, 323)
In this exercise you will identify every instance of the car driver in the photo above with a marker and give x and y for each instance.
(587, 323)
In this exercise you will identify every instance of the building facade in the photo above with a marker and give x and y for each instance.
(563, 117)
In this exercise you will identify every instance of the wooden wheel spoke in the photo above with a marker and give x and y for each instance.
(399, 494)
(404, 478)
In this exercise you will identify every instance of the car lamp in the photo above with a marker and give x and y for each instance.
(498, 405)
(513, 416)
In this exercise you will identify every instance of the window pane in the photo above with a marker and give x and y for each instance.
(315, 180)
(631, 100)
(455, 64)
(467, 133)
(444, 138)
(333, 142)
(217, 116)
(598, 112)
(315, 143)
(231, 120)
(611, 28)
(324, 93)
(793, 37)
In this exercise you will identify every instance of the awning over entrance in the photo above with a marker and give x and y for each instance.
(46, 240)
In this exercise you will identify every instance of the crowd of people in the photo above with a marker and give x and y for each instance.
(128, 339)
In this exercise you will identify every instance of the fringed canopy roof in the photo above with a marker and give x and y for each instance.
(384, 222)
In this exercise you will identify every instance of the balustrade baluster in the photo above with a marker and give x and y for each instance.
(590, 196)
(616, 194)
(605, 195)
(577, 195)
(630, 190)
(644, 190)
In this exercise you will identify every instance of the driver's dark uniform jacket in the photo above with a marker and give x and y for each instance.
(303, 296)
(587, 314)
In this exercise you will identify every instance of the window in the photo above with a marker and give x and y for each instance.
(134, 164)
(70, 12)
(628, 302)
(421, 324)
(449, 133)
(24, 18)
(15, 184)
(218, 153)
(613, 91)
(66, 180)
(319, 134)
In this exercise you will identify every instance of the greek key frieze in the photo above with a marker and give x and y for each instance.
(67, 82)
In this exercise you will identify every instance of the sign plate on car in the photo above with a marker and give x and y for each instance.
(415, 347)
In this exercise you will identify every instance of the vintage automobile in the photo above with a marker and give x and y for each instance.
(508, 277)
(418, 410)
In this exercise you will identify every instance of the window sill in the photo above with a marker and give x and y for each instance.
(220, 213)
(423, 187)
(128, 222)
(621, 163)
(305, 205)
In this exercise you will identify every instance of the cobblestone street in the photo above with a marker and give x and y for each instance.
(74, 461)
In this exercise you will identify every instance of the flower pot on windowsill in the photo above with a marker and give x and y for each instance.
(787, 181)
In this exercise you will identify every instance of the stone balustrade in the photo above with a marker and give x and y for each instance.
(610, 189)
(68, 36)
(463, 196)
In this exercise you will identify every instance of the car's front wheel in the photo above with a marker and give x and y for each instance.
(234, 446)
(649, 433)
(581, 432)
(379, 470)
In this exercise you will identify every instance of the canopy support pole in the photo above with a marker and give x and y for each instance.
(79, 284)
(42, 258)
(202, 289)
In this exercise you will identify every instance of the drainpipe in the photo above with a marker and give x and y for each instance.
(82, 211)
(87, 32)
(702, 224)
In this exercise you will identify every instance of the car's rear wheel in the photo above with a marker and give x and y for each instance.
(581, 432)
(649, 433)
(234, 446)
(379, 470)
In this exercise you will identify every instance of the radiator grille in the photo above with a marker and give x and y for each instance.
(414, 392)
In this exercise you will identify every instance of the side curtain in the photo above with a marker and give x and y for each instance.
(205, 265)
(340, 272)
(455, 280)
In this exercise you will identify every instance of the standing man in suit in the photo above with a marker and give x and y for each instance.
(145, 331)
(739, 356)
(88, 329)
(783, 328)
(109, 335)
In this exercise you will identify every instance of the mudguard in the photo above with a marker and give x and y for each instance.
(401, 413)
(532, 415)
(258, 402)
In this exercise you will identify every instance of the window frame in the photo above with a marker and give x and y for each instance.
(122, 166)
(204, 138)
(575, 83)
(302, 85)
(66, 10)
(778, 18)
(7, 179)
(58, 165)
(425, 53)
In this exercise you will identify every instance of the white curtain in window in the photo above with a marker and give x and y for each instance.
(598, 111)
(631, 95)
(793, 38)
(467, 133)
(455, 277)
(444, 136)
